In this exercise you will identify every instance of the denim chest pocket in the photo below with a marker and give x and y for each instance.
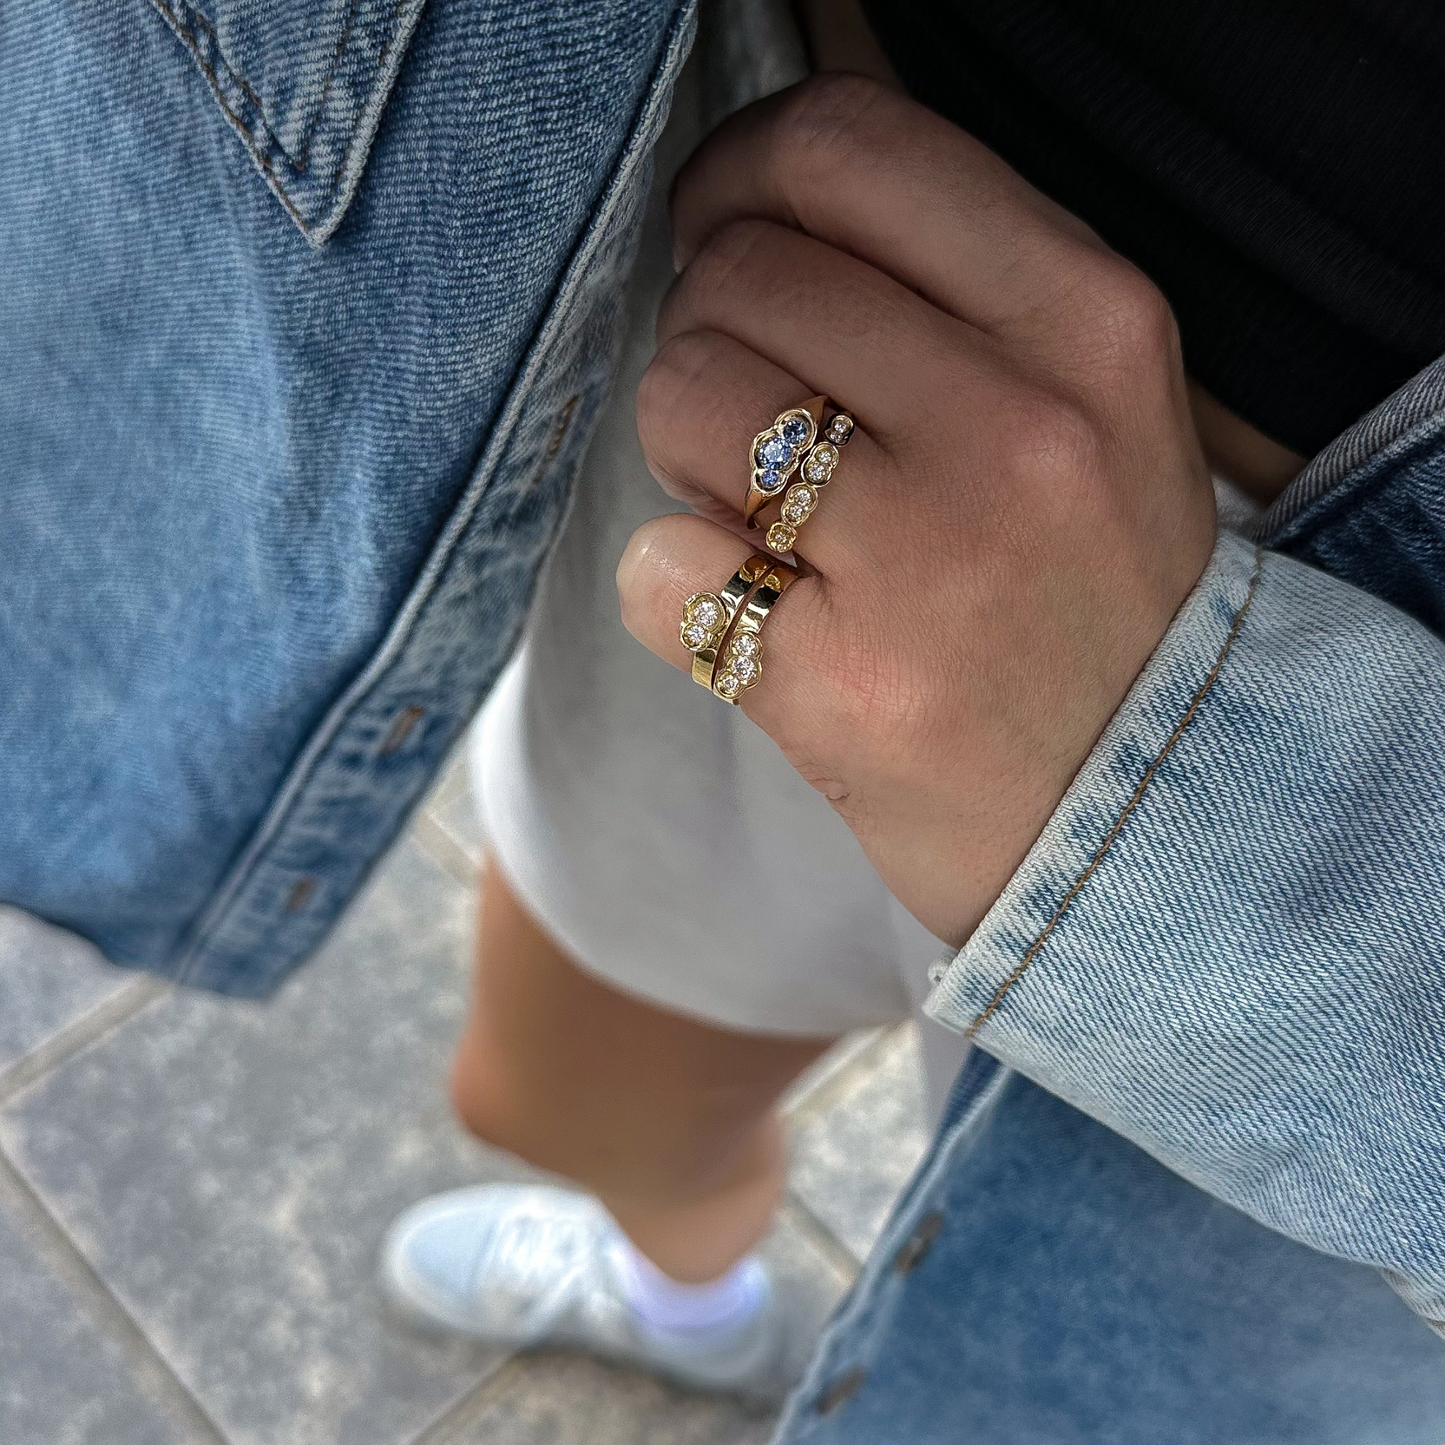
(303, 85)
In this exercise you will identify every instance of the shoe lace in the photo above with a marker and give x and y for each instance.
(540, 1256)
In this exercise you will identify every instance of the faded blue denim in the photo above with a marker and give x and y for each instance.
(1075, 1292)
(307, 313)
(1203, 1134)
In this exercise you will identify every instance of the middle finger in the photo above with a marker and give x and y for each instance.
(843, 328)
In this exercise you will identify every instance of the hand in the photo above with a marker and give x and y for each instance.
(1018, 517)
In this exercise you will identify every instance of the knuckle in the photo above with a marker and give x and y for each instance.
(826, 122)
(731, 262)
(728, 257)
(1143, 318)
(667, 391)
(1133, 329)
(673, 371)
(1053, 445)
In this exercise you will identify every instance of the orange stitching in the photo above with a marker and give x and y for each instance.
(271, 139)
(262, 159)
(380, 66)
(1068, 898)
(221, 51)
(307, 138)
(188, 39)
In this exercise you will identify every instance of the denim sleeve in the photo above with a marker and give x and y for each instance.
(1227, 943)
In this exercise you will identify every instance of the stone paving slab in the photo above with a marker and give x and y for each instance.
(228, 1170)
(850, 1159)
(48, 978)
(556, 1399)
(453, 809)
(65, 1379)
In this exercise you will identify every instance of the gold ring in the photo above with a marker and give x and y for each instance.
(791, 443)
(706, 617)
(776, 452)
(739, 663)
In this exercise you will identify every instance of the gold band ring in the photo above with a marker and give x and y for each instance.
(721, 629)
(706, 617)
(791, 444)
(739, 664)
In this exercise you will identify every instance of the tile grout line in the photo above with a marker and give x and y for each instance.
(442, 849)
(796, 1211)
(838, 1081)
(443, 1430)
(89, 1028)
(109, 1313)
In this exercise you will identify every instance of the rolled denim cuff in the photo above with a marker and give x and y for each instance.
(1226, 945)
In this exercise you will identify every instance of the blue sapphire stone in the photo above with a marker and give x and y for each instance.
(795, 430)
(774, 452)
(770, 479)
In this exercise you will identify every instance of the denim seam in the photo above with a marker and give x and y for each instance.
(850, 1330)
(635, 152)
(260, 136)
(401, 35)
(1135, 799)
(1410, 409)
(309, 134)
(345, 165)
(188, 38)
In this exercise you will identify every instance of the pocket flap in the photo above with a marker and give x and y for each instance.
(303, 85)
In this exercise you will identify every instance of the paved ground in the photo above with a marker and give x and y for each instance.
(192, 1191)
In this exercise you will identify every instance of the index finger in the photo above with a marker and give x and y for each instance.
(874, 173)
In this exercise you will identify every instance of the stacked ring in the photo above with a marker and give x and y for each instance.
(740, 659)
(776, 453)
(791, 443)
(706, 617)
(721, 629)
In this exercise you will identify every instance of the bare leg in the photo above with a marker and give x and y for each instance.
(671, 1122)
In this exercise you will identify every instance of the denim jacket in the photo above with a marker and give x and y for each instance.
(307, 312)
(307, 315)
(1226, 947)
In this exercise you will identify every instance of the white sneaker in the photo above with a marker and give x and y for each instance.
(527, 1265)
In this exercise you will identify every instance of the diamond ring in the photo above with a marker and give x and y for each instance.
(721, 629)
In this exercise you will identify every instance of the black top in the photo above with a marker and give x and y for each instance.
(1277, 167)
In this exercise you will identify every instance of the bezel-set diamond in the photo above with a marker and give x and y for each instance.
(740, 666)
(781, 537)
(798, 505)
(704, 620)
(821, 463)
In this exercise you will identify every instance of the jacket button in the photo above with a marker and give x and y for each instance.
(841, 1390)
(917, 1245)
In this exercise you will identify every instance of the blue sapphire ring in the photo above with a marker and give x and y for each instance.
(799, 438)
(777, 452)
